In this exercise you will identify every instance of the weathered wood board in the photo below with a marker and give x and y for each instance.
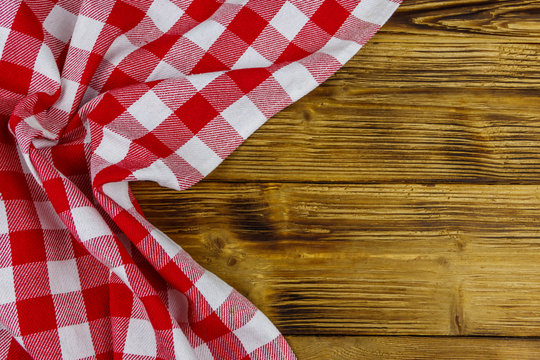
(447, 259)
(418, 348)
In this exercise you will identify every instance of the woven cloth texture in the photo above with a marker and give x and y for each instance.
(95, 94)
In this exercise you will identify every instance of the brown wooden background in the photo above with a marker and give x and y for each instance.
(393, 213)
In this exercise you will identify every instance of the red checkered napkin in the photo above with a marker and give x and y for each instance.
(95, 94)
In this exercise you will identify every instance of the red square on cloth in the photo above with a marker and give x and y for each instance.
(153, 144)
(160, 317)
(200, 10)
(70, 159)
(176, 277)
(330, 24)
(249, 79)
(121, 300)
(247, 33)
(36, 314)
(196, 113)
(210, 328)
(16, 351)
(27, 246)
(107, 110)
(96, 309)
(14, 77)
(60, 201)
(124, 16)
(134, 230)
(27, 23)
(13, 186)
(208, 63)
(292, 53)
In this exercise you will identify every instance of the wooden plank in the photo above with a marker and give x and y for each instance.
(502, 18)
(454, 259)
(392, 347)
(459, 43)
(396, 135)
(446, 92)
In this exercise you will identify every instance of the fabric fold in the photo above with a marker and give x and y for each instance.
(97, 94)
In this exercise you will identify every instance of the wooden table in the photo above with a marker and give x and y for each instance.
(394, 212)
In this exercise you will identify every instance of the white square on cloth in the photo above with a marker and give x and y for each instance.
(68, 92)
(63, 276)
(4, 229)
(159, 172)
(199, 81)
(140, 338)
(168, 245)
(198, 155)
(289, 20)
(251, 59)
(149, 110)
(119, 50)
(60, 23)
(89, 224)
(113, 147)
(76, 342)
(340, 49)
(86, 33)
(214, 290)
(45, 63)
(164, 14)
(7, 284)
(205, 35)
(296, 80)
(244, 116)
(257, 332)
(4, 33)
(375, 11)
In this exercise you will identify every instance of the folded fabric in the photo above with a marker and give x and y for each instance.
(95, 94)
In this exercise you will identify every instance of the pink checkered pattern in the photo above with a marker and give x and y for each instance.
(95, 94)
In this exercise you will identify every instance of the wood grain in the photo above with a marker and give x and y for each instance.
(393, 348)
(453, 259)
(399, 135)
(446, 92)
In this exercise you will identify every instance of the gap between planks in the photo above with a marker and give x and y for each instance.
(402, 347)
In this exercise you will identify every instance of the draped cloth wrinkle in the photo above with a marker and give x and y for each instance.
(96, 94)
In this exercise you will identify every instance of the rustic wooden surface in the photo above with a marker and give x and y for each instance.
(394, 212)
